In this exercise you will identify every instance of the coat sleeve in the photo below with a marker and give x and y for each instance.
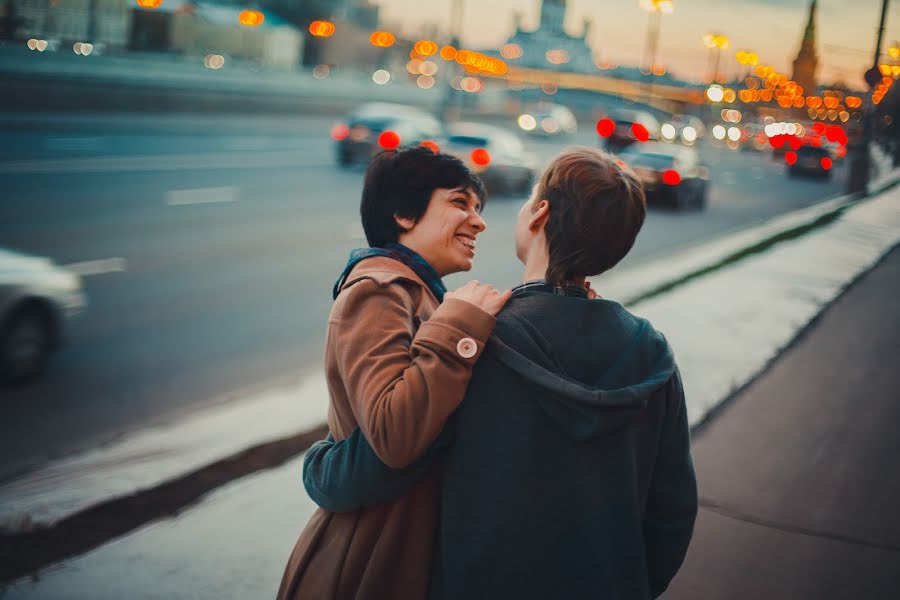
(403, 383)
(672, 501)
(347, 476)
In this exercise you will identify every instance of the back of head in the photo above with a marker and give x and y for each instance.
(597, 208)
(401, 182)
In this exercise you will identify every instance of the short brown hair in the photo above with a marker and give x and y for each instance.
(597, 208)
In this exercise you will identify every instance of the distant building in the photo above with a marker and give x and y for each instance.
(807, 62)
(549, 46)
(71, 21)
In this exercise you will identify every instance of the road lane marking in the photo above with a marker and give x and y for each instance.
(98, 267)
(212, 195)
(172, 162)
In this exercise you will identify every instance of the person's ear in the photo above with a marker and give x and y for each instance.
(539, 216)
(405, 223)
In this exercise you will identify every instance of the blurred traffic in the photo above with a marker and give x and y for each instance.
(208, 156)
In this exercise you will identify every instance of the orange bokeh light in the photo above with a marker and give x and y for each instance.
(321, 28)
(382, 39)
(425, 47)
(149, 3)
(448, 52)
(251, 18)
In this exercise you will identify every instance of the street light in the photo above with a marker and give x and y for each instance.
(716, 42)
(655, 8)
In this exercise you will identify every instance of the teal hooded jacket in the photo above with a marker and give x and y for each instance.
(566, 471)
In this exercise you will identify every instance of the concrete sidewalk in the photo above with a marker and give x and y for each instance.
(798, 474)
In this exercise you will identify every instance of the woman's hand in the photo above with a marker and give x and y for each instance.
(482, 295)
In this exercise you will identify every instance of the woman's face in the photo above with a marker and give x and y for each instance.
(445, 234)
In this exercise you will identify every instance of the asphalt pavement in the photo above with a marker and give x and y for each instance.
(798, 474)
(228, 230)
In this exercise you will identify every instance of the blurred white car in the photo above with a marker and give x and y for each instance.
(36, 299)
(548, 120)
(497, 155)
(684, 129)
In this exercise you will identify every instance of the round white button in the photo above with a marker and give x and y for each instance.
(467, 348)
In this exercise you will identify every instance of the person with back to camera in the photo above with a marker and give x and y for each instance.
(398, 357)
(566, 472)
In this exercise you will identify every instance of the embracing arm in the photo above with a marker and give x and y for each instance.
(672, 503)
(347, 476)
(402, 382)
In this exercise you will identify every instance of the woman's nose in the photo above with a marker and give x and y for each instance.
(478, 222)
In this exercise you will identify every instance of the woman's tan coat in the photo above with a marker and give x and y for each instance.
(397, 364)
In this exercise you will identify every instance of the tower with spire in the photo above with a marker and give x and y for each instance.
(807, 62)
(551, 37)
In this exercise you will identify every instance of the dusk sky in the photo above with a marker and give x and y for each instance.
(846, 30)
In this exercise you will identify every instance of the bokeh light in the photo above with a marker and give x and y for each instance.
(640, 132)
(426, 82)
(480, 157)
(719, 132)
(606, 127)
(715, 93)
(382, 39)
(321, 28)
(381, 76)
(389, 139)
(790, 157)
(431, 145)
(511, 51)
(321, 71)
(671, 177)
(448, 53)
(527, 122)
(251, 18)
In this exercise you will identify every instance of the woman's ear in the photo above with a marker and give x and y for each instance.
(405, 223)
(539, 216)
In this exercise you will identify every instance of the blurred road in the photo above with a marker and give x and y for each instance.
(227, 233)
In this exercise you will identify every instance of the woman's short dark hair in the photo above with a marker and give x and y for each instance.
(401, 182)
(597, 208)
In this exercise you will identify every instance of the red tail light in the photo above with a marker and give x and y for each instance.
(605, 127)
(825, 162)
(431, 146)
(340, 132)
(389, 139)
(640, 132)
(671, 177)
(480, 157)
(795, 142)
(790, 157)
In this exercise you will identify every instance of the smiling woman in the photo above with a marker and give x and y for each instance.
(399, 354)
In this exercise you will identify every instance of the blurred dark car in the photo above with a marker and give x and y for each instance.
(630, 126)
(812, 161)
(497, 155)
(672, 175)
(36, 298)
(378, 125)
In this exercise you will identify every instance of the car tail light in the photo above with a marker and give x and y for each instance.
(825, 162)
(389, 139)
(480, 157)
(431, 146)
(790, 157)
(640, 132)
(671, 177)
(340, 132)
(606, 127)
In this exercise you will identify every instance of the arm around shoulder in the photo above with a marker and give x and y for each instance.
(403, 383)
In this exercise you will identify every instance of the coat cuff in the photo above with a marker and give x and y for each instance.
(455, 325)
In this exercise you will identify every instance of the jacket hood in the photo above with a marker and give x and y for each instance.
(594, 364)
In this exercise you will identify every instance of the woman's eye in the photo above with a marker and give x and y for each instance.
(461, 202)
